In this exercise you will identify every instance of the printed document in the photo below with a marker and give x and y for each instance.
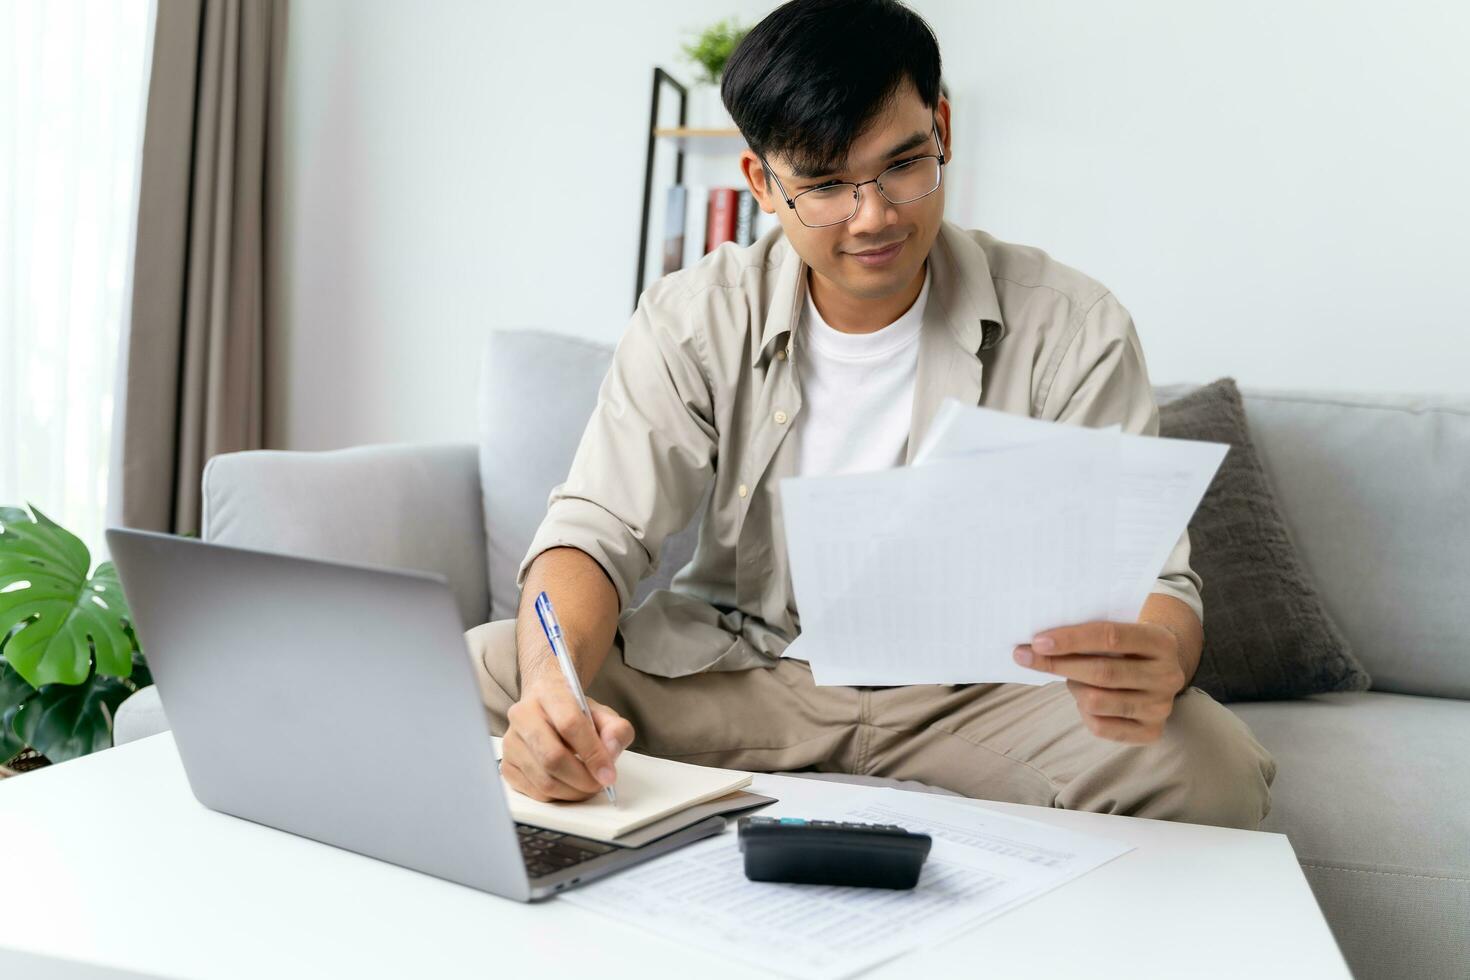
(1161, 482)
(1004, 527)
(983, 864)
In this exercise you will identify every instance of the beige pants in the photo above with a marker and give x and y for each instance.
(1009, 742)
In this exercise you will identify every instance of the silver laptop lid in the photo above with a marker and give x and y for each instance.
(332, 701)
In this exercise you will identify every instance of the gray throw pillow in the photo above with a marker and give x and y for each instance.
(1267, 635)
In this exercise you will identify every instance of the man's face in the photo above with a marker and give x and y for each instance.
(833, 251)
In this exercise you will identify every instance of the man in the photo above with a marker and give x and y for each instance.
(826, 348)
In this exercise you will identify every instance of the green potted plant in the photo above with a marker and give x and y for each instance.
(709, 52)
(68, 654)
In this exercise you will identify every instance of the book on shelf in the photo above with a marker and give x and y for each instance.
(744, 218)
(698, 219)
(674, 229)
(722, 201)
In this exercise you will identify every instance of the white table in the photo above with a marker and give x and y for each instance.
(110, 860)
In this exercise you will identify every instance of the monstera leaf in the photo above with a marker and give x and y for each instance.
(55, 622)
(14, 692)
(64, 721)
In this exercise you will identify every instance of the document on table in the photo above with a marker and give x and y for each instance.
(1005, 526)
(983, 864)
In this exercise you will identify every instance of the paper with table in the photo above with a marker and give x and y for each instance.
(1004, 526)
(649, 789)
(983, 863)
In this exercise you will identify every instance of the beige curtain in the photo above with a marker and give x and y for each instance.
(192, 380)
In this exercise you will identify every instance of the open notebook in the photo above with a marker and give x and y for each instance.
(648, 789)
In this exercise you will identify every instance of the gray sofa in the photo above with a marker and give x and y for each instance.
(1372, 787)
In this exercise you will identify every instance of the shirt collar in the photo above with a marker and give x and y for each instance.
(961, 286)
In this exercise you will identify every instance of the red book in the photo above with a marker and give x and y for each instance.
(721, 218)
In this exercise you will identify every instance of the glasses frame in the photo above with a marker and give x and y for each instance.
(858, 185)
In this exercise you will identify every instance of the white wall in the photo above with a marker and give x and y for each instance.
(1275, 190)
(449, 167)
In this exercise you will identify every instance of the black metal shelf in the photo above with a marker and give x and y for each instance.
(660, 79)
(682, 139)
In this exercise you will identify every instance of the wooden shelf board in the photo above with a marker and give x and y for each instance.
(702, 142)
(689, 132)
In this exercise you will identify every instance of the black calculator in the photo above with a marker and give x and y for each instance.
(830, 852)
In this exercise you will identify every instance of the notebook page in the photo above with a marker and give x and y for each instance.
(648, 789)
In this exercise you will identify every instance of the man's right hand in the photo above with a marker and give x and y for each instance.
(551, 751)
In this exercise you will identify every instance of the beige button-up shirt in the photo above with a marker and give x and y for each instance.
(702, 393)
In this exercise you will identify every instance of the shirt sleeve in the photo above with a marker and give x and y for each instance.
(644, 458)
(1099, 379)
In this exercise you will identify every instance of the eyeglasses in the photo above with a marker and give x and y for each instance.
(836, 202)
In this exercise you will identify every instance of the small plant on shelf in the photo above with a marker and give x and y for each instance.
(68, 654)
(712, 48)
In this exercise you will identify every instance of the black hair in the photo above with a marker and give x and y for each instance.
(809, 78)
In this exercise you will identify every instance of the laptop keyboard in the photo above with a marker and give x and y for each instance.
(546, 851)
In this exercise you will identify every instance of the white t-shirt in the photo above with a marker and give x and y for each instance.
(857, 392)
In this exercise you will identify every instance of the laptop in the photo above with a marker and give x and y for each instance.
(338, 702)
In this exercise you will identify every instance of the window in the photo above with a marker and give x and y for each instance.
(72, 82)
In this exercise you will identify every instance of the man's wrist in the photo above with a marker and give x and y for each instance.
(1179, 659)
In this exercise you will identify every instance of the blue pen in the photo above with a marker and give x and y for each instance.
(552, 628)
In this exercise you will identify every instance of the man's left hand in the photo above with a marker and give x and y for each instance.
(1123, 676)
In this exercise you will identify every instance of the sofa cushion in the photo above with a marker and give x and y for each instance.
(365, 504)
(537, 391)
(1371, 790)
(1374, 489)
(1267, 635)
(140, 716)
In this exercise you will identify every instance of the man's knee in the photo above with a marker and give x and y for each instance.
(1214, 771)
(492, 651)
